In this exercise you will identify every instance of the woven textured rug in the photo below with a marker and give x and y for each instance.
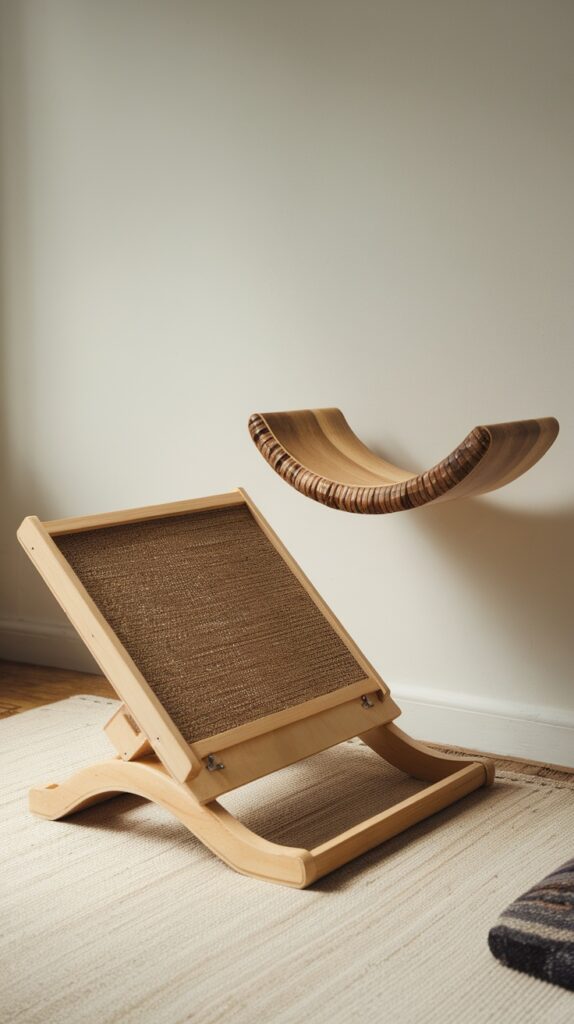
(119, 915)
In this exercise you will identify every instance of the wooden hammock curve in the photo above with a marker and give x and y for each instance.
(317, 453)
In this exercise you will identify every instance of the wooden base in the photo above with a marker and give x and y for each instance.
(246, 852)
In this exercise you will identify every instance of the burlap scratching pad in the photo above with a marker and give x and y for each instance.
(214, 619)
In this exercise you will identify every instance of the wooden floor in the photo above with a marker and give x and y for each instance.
(28, 686)
(23, 687)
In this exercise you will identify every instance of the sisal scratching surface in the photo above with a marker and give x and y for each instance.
(212, 616)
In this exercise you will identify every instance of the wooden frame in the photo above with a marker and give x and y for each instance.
(155, 761)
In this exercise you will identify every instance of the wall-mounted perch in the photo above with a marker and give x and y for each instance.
(316, 452)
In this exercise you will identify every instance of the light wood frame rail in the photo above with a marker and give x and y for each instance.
(154, 760)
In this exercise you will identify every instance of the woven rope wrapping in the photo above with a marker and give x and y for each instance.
(213, 617)
(385, 498)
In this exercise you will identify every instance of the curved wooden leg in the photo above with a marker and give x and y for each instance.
(246, 852)
(211, 823)
(415, 758)
(451, 779)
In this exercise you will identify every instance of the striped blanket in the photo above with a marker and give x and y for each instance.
(535, 934)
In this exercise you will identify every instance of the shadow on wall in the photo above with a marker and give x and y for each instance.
(523, 566)
(19, 492)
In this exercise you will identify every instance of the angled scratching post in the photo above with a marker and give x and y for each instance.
(229, 666)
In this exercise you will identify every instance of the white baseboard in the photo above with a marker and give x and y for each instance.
(527, 732)
(44, 643)
(509, 728)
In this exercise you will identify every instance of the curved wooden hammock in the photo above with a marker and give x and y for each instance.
(229, 666)
(316, 452)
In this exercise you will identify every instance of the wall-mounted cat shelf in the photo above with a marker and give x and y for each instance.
(316, 452)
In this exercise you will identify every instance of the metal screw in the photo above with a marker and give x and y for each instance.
(365, 702)
(213, 765)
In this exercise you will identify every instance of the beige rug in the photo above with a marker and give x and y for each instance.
(118, 914)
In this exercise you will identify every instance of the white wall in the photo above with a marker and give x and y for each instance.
(212, 208)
